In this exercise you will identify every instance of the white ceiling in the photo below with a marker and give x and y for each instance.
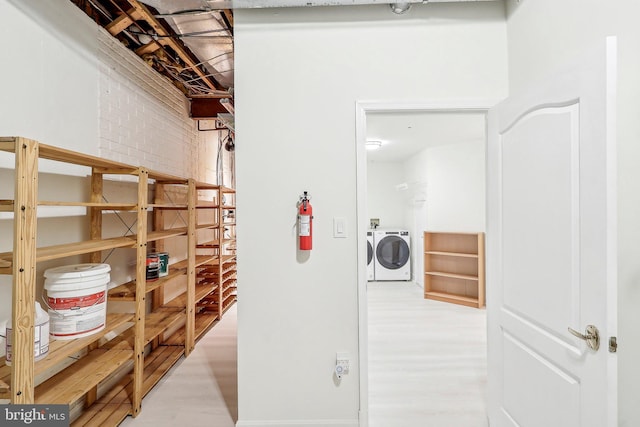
(405, 134)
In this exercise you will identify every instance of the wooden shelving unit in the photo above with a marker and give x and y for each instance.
(219, 269)
(110, 372)
(454, 268)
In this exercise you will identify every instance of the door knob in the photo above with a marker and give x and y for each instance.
(591, 336)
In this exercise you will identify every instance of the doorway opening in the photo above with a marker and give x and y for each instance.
(397, 191)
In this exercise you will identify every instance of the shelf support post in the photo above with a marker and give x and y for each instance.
(189, 340)
(141, 278)
(24, 270)
(95, 231)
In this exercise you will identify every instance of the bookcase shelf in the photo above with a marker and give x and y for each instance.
(454, 268)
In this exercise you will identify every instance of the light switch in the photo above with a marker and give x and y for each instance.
(339, 227)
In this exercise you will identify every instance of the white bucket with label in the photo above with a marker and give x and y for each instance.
(76, 297)
(40, 332)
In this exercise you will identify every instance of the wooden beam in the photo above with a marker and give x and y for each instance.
(149, 48)
(123, 22)
(206, 108)
(174, 44)
(227, 16)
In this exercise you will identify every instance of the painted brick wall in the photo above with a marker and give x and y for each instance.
(144, 119)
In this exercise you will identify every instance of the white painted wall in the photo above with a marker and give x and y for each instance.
(48, 53)
(299, 73)
(65, 82)
(535, 50)
(456, 187)
(453, 179)
(383, 199)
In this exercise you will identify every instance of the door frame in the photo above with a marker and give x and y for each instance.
(362, 108)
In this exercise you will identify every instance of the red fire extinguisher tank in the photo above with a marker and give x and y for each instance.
(305, 223)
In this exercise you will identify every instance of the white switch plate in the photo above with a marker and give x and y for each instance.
(339, 227)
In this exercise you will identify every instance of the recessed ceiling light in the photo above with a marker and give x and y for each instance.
(373, 145)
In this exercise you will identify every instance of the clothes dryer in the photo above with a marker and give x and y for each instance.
(392, 260)
(371, 274)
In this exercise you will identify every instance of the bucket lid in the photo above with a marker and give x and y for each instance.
(77, 271)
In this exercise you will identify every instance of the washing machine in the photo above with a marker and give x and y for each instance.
(392, 258)
(371, 272)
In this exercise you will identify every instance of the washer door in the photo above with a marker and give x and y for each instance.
(392, 252)
(369, 253)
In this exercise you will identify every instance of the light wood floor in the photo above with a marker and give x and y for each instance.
(201, 390)
(427, 360)
(427, 368)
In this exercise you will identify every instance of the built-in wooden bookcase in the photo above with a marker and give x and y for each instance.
(454, 268)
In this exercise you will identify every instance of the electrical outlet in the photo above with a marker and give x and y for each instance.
(342, 364)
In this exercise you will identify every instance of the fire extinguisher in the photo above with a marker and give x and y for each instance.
(305, 222)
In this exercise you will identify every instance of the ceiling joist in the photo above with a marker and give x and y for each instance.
(146, 32)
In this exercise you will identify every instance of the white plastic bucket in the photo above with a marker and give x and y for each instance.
(76, 297)
(41, 336)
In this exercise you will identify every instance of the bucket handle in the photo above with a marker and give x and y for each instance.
(76, 313)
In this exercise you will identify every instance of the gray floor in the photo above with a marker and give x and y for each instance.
(427, 368)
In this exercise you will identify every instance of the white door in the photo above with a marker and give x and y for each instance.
(551, 255)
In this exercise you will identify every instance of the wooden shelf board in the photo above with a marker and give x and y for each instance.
(452, 233)
(158, 363)
(152, 236)
(110, 410)
(206, 205)
(71, 384)
(206, 226)
(67, 156)
(159, 321)
(206, 186)
(169, 207)
(231, 284)
(458, 299)
(98, 205)
(206, 260)
(176, 339)
(6, 205)
(180, 301)
(212, 244)
(224, 189)
(452, 254)
(204, 322)
(199, 261)
(451, 275)
(166, 179)
(78, 248)
(127, 291)
(226, 284)
(60, 350)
